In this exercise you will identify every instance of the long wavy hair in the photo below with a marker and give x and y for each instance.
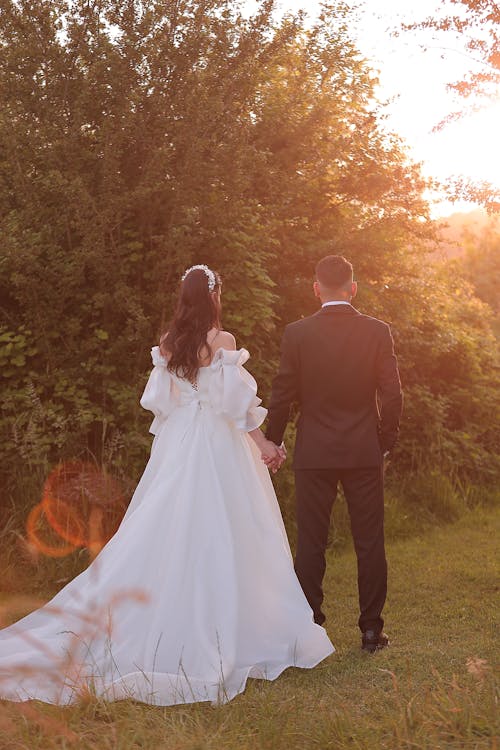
(198, 311)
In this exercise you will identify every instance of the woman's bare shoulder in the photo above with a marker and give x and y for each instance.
(224, 340)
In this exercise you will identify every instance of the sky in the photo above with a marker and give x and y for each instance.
(413, 80)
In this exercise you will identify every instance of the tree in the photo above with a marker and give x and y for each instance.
(480, 266)
(137, 138)
(120, 164)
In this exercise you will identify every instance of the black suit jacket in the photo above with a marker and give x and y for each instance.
(340, 366)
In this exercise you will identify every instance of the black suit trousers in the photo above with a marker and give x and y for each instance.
(316, 490)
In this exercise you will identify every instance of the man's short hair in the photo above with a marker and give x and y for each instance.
(334, 272)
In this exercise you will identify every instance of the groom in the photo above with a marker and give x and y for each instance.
(340, 367)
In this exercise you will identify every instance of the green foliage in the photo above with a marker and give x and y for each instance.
(449, 363)
(138, 138)
(481, 264)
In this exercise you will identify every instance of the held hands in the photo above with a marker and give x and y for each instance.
(273, 455)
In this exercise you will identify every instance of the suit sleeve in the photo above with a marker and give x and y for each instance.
(285, 389)
(389, 392)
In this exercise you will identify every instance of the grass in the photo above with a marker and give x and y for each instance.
(432, 689)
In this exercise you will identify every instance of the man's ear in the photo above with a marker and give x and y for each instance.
(316, 290)
(354, 289)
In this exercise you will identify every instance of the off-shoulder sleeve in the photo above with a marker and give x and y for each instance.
(158, 395)
(233, 391)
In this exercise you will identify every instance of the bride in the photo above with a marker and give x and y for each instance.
(196, 591)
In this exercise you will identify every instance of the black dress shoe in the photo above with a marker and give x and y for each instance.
(372, 641)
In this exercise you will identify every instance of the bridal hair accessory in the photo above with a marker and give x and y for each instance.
(208, 272)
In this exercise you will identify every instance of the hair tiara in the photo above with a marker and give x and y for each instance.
(208, 273)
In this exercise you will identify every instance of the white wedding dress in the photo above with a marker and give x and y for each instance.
(196, 591)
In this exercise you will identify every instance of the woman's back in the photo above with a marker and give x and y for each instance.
(196, 591)
(215, 339)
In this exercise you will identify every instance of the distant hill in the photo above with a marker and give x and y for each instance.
(458, 225)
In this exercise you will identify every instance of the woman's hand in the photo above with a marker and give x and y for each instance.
(272, 455)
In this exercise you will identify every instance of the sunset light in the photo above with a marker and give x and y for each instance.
(249, 362)
(469, 147)
(414, 70)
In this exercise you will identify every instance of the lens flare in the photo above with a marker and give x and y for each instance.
(64, 520)
(82, 504)
(33, 531)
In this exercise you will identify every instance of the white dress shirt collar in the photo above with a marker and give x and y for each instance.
(335, 302)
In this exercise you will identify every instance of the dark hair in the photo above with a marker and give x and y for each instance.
(197, 312)
(334, 272)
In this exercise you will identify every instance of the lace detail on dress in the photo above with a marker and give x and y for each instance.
(160, 361)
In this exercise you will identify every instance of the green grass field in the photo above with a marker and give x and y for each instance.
(433, 688)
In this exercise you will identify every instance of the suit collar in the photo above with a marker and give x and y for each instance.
(338, 310)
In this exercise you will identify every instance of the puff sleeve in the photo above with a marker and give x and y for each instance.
(158, 395)
(233, 391)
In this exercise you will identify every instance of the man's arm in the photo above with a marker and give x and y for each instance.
(389, 392)
(284, 391)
